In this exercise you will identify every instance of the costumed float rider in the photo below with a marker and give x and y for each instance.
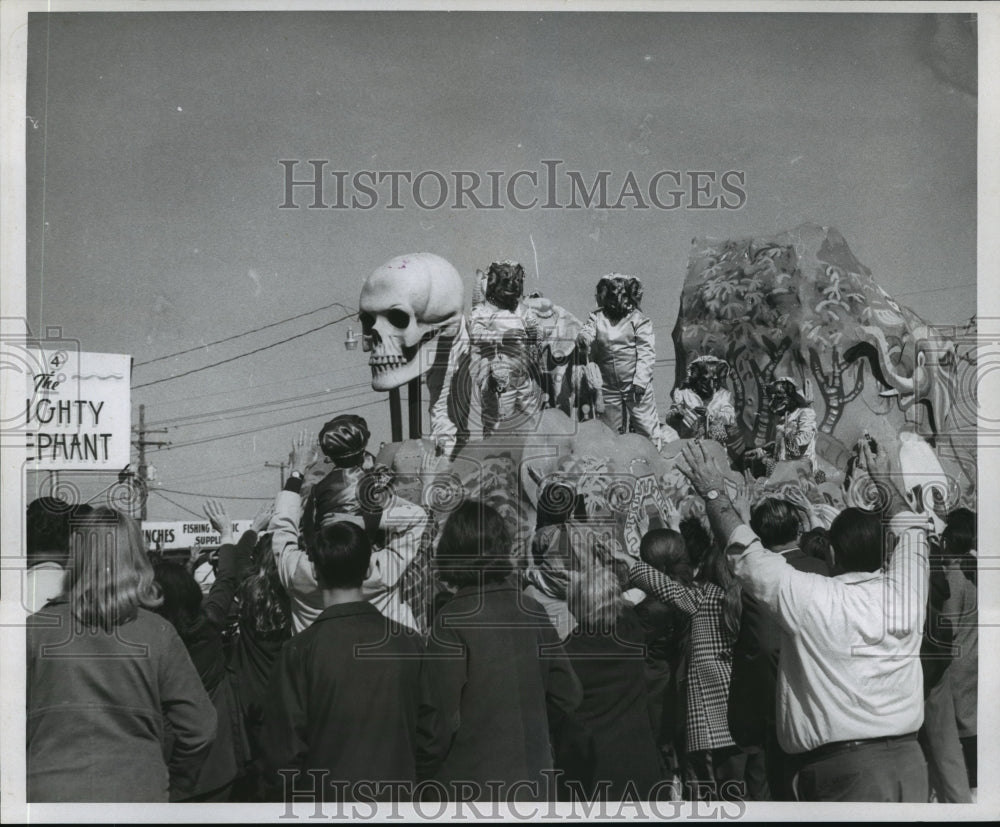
(794, 427)
(505, 335)
(333, 478)
(619, 338)
(702, 405)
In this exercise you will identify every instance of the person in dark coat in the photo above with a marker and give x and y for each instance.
(616, 755)
(500, 677)
(116, 711)
(666, 630)
(201, 623)
(346, 695)
(264, 626)
(753, 688)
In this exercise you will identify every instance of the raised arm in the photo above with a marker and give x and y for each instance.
(294, 569)
(233, 562)
(687, 599)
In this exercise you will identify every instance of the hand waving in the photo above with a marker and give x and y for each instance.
(219, 518)
(305, 451)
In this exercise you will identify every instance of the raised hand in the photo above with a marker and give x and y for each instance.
(702, 471)
(263, 518)
(219, 518)
(305, 451)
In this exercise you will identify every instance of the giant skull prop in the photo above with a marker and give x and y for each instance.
(404, 305)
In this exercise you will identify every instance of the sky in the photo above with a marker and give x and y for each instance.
(154, 192)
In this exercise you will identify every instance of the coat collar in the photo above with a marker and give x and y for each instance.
(357, 607)
(507, 584)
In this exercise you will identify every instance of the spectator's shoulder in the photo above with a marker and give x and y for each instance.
(404, 637)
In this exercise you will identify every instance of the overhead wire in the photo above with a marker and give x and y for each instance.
(210, 496)
(242, 355)
(177, 421)
(215, 437)
(176, 504)
(300, 405)
(243, 388)
(245, 333)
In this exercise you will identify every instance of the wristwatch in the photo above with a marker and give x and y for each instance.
(712, 494)
(298, 475)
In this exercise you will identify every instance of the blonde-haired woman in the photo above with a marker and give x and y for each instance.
(116, 711)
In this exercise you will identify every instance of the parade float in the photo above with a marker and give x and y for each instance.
(772, 332)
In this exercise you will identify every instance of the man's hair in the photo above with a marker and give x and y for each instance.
(857, 539)
(697, 539)
(595, 598)
(815, 543)
(181, 595)
(48, 523)
(665, 550)
(959, 534)
(341, 554)
(474, 546)
(775, 521)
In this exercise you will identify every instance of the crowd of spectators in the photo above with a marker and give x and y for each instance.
(754, 653)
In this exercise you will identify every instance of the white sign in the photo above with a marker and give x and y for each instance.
(78, 409)
(175, 535)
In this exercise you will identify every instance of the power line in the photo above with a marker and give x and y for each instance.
(241, 355)
(283, 409)
(244, 388)
(245, 333)
(210, 496)
(177, 504)
(213, 438)
(188, 419)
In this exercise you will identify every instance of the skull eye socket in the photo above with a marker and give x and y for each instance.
(398, 318)
(367, 321)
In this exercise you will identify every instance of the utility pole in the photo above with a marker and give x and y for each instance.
(282, 466)
(141, 444)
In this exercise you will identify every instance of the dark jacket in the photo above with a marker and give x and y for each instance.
(500, 678)
(612, 726)
(345, 697)
(100, 705)
(205, 643)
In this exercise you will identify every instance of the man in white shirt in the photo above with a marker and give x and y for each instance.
(850, 698)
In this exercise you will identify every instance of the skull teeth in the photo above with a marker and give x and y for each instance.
(384, 362)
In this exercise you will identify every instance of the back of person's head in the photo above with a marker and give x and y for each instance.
(343, 440)
(341, 555)
(474, 546)
(109, 576)
(181, 595)
(815, 543)
(48, 527)
(776, 522)
(857, 539)
(666, 551)
(716, 568)
(697, 539)
(263, 601)
(595, 598)
(959, 533)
